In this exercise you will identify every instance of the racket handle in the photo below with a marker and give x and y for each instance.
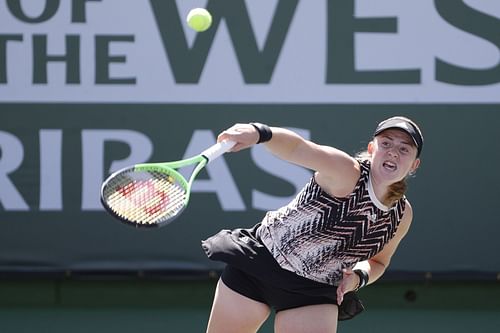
(217, 150)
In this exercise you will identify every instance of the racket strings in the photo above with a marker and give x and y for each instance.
(145, 197)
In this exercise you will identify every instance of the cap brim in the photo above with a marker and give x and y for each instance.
(405, 126)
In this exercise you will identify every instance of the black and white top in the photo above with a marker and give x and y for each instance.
(317, 235)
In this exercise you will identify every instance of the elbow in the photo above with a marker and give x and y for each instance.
(382, 266)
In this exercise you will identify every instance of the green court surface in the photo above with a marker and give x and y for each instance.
(183, 306)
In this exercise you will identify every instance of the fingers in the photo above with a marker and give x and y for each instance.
(237, 147)
(245, 135)
(348, 283)
(340, 295)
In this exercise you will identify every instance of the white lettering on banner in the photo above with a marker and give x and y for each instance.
(12, 155)
(220, 180)
(51, 169)
(360, 51)
(93, 142)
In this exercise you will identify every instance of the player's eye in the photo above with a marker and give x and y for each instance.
(385, 144)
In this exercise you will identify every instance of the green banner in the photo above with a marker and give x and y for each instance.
(54, 157)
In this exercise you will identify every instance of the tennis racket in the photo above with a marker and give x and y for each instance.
(154, 194)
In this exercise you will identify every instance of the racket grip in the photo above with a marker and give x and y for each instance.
(217, 150)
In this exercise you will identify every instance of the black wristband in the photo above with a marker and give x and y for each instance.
(363, 278)
(265, 133)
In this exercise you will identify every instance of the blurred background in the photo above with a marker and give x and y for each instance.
(90, 86)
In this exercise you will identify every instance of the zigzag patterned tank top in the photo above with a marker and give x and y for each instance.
(317, 235)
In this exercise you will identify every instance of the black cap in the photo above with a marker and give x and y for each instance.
(406, 125)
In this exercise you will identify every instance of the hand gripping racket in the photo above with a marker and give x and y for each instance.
(154, 194)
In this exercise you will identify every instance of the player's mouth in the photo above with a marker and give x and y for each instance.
(390, 166)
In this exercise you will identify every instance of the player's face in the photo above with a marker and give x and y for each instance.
(394, 155)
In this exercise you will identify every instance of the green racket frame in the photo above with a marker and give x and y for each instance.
(167, 169)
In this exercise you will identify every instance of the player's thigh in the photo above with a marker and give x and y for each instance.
(320, 318)
(235, 313)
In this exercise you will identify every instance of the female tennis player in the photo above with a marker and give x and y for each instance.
(306, 260)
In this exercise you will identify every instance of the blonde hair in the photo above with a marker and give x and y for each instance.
(396, 191)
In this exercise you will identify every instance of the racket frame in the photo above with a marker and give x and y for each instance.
(169, 168)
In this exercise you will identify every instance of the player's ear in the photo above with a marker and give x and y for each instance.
(415, 166)
(370, 147)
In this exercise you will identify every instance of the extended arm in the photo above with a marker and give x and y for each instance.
(335, 169)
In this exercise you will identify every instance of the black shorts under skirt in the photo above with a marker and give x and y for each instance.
(253, 272)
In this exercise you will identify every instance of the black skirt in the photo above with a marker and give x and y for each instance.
(242, 249)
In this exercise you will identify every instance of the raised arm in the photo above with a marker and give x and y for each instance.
(335, 169)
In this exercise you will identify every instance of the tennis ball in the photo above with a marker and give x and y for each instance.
(199, 19)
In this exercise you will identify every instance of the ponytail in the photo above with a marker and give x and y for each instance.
(396, 191)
